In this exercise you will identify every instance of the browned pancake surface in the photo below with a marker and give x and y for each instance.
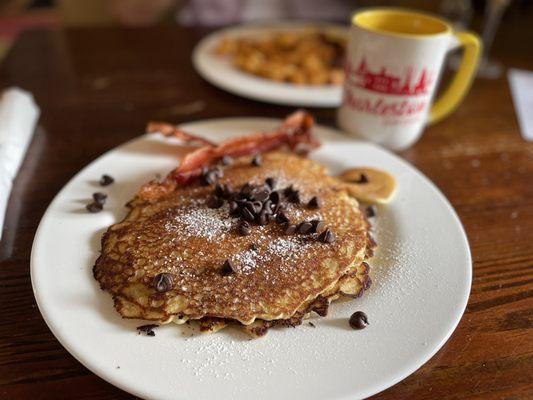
(182, 236)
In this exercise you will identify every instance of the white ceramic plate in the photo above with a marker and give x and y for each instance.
(220, 72)
(421, 275)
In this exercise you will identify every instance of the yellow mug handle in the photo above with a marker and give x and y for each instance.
(454, 94)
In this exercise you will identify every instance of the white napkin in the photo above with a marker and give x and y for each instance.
(521, 82)
(18, 116)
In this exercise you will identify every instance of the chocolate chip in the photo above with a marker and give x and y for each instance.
(220, 190)
(234, 209)
(288, 190)
(261, 195)
(240, 196)
(262, 219)
(106, 180)
(290, 229)
(362, 179)
(271, 182)
(244, 228)
(368, 283)
(257, 161)
(327, 236)
(318, 226)
(281, 217)
(99, 197)
(358, 320)
(294, 197)
(254, 247)
(163, 282)
(246, 189)
(148, 330)
(305, 227)
(257, 206)
(227, 160)
(227, 268)
(94, 207)
(370, 211)
(247, 214)
(267, 207)
(215, 202)
(275, 197)
(228, 191)
(315, 202)
(276, 208)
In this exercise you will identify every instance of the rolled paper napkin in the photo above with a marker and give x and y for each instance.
(18, 116)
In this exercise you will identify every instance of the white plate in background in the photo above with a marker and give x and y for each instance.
(219, 71)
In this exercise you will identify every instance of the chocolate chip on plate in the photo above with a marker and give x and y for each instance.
(99, 197)
(106, 180)
(163, 282)
(358, 320)
(148, 330)
(370, 211)
(315, 202)
(94, 207)
(227, 268)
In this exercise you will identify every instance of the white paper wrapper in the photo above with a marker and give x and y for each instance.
(521, 82)
(18, 116)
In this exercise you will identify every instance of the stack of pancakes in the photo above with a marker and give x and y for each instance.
(187, 256)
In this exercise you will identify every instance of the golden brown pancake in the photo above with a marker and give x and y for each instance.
(276, 277)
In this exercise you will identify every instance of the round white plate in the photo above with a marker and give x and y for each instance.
(421, 275)
(220, 72)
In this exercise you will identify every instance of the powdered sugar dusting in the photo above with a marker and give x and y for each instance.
(209, 223)
(291, 246)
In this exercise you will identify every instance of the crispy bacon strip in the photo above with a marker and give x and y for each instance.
(169, 130)
(294, 133)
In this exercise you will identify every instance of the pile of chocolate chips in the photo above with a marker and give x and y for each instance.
(265, 203)
(260, 205)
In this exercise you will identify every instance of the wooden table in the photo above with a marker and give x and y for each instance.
(97, 88)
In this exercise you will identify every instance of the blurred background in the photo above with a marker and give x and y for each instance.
(483, 16)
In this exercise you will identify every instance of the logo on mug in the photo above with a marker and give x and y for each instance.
(400, 98)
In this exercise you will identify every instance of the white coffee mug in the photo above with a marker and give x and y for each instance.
(393, 62)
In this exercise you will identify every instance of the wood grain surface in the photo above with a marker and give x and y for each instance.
(98, 87)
